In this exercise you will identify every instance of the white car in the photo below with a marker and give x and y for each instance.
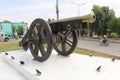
(95, 37)
(3, 37)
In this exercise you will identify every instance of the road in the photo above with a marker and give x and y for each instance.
(113, 49)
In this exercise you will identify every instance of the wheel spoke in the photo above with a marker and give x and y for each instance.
(42, 50)
(36, 50)
(69, 42)
(57, 44)
(63, 47)
(67, 33)
(35, 30)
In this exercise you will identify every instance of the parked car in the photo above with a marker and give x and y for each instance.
(95, 37)
(4, 37)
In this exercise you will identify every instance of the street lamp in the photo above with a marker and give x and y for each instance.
(78, 6)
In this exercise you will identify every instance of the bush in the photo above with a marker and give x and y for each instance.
(83, 32)
(114, 35)
(99, 37)
(20, 30)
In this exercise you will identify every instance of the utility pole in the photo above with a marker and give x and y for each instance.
(57, 9)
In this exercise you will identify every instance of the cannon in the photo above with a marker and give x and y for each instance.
(61, 34)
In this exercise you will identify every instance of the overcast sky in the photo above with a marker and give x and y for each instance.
(28, 10)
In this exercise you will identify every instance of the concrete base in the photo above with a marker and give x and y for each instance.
(73, 67)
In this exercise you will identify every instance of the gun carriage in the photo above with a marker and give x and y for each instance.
(42, 36)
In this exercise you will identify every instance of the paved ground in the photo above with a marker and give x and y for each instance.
(113, 49)
(73, 67)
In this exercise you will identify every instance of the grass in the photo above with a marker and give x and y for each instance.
(14, 45)
(9, 46)
(95, 53)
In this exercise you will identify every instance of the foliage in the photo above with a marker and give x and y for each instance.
(99, 37)
(13, 29)
(114, 25)
(83, 32)
(114, 35)
(103, 16)
(20, 30)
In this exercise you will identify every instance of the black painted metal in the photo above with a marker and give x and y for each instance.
(62, 26)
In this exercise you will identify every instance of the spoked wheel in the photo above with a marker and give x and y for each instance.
(65, 44)
(24, 42)
(25, 46)
(40, 40)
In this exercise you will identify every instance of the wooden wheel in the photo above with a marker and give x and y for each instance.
(40, 40)
(24, 42)
(25, 46)
(65, 44)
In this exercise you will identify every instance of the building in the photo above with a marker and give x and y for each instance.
(10, 27)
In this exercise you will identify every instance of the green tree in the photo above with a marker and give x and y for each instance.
(103, 17)
(114, 35)
(114, 25)
(20, 30)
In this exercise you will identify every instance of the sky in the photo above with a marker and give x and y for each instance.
(29, 10)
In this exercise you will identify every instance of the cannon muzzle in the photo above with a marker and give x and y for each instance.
(88, 18)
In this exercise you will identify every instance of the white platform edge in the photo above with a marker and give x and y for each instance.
(25, 73)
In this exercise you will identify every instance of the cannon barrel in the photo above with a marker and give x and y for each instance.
(88, 18)
(70, 24)
(85, 18)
